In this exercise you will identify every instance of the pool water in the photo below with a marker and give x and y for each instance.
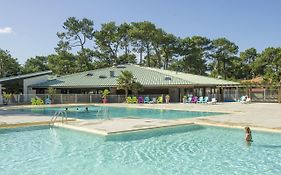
(170, 151)
(114, 112)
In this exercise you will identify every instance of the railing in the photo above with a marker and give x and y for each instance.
(57, 114)
(266, 95)
(260, 95)
(71, 98)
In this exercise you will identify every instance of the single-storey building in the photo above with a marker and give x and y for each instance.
(20, 84)
(155, 82)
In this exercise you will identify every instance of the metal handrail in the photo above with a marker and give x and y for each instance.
(57, 114)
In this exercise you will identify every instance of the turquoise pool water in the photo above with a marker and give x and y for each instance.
(175, 151)
(114, 112)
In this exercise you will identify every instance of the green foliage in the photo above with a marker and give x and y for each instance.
(125, 81)
(77, 33)
(8, 65)
(52, 92)
(7, 97)
(36, 64)
(105, 93)
(136, 87)
(62, 63)
(37, 101)
(224, 52)
(270, 63)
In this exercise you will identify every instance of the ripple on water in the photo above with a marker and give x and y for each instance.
(186, 150)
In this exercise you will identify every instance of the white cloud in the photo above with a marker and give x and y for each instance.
(6, 30)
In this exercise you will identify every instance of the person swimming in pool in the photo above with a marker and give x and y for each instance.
(66, 109)
(248, 134)
(87, 109)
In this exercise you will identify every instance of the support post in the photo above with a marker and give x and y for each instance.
(61, 98)
(237, 93)
(279, 94)
(264, 89)
(1, 98)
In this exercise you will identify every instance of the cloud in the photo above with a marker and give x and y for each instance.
(6, 30)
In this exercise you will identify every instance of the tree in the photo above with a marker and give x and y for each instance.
(270, 62)
(76, 33)
(62, 63)
(52, 92)
(244, 65)
(36, 64)
(223, 56)
(108, 41)
(136, 87)
(125, 81)
(169, 49)
(194, 54)
(142, 34)
(8, 65)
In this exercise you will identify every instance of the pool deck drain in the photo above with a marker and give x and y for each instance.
(119, 125)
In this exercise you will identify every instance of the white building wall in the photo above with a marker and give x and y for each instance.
(34, 80)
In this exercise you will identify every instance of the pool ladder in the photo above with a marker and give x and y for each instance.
(62, 114)
(103, 113)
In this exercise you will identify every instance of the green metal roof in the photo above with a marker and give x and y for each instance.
(25, 76)
(146, 76)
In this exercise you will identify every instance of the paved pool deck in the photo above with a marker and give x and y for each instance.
(259, 116)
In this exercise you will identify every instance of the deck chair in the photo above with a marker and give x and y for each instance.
(140, 100)
(134, 100)
(242, 99)
(206, 99)
(189, 99)
(160, 99)
(194, 99)
(214, 101)
(47, 101)
(248, 100)
(154, 100)
(146, 100)
(129, 100)
(200, 100)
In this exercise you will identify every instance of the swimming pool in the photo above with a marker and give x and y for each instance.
(178, 151)
(114, 112)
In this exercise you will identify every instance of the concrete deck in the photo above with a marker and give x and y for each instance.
(10, 119)
(259, 116)
(119, 125)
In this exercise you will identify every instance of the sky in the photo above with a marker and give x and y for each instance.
(28, 28)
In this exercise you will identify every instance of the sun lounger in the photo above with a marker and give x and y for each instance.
(189, 99)
(214, 101)
(134, 100)
(205, 100)
(200, 100)
(160, 99)
(140, 100)
(129, 100)
(154, 100)
(146, 100)
(194, 99)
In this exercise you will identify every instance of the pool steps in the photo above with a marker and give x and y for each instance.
(57, 114)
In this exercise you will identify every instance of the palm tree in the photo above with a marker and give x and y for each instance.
(125, 81)
(136, 87)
